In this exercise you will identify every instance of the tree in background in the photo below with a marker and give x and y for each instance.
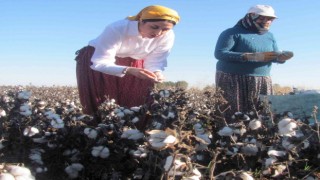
(172, 85)
(279, 90)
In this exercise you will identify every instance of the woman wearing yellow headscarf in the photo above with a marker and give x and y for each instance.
(126, 59)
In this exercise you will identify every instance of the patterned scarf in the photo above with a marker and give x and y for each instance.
(249, 23)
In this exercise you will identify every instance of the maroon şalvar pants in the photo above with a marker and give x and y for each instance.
(95, 87)
(241, 91)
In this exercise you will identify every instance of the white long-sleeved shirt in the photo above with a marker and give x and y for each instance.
(122, 39)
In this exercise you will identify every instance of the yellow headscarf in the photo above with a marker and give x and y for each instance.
(156, 12)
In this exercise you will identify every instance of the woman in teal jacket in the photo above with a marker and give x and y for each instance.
(245, 55)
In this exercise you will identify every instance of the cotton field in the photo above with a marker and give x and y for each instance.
(181, 135)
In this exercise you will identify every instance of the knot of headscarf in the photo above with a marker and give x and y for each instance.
(249, 22)
(156, 12)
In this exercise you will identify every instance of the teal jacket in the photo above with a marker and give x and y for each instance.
(235, 41)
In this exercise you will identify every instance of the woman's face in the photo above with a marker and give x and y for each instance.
(265, 21)
(154, 29)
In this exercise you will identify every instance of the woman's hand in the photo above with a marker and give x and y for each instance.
(260, 56)
(160, 76)
(284, 55)
(142, 73)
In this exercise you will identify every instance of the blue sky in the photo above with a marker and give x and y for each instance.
(38, 38)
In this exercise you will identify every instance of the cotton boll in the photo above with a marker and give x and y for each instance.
(286, 127)
(40, 140)
(158, 145)
(24, 177)
(135, 109)
(77, 166)
(100, 151)
(24, 95)
(232, 151)
(41, 169)
(105, 152)
(306, 144)
(117, 110)
(30, 131)
(133, 134)
(164, 93)
(91, 133)
(198, 128)
(168, 163)
(36, 158)
(204, 137)
(18, 171)
(140, 153)
(170, 139)
(1, 144)
(6, 176)
(245, 176)
(270, 161)
(226, 131)
(239, 131)
(274, 153)
(249, 149)
(71, 172)
(128, 111)
(171, 115)
(3, 113)
(96, 151)
(156, 125)
(255, 124)
(287, 144)
(135, 120)
(57, 123)
(196, 175)
(120, 114)
(279, 170)
(26, 113)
